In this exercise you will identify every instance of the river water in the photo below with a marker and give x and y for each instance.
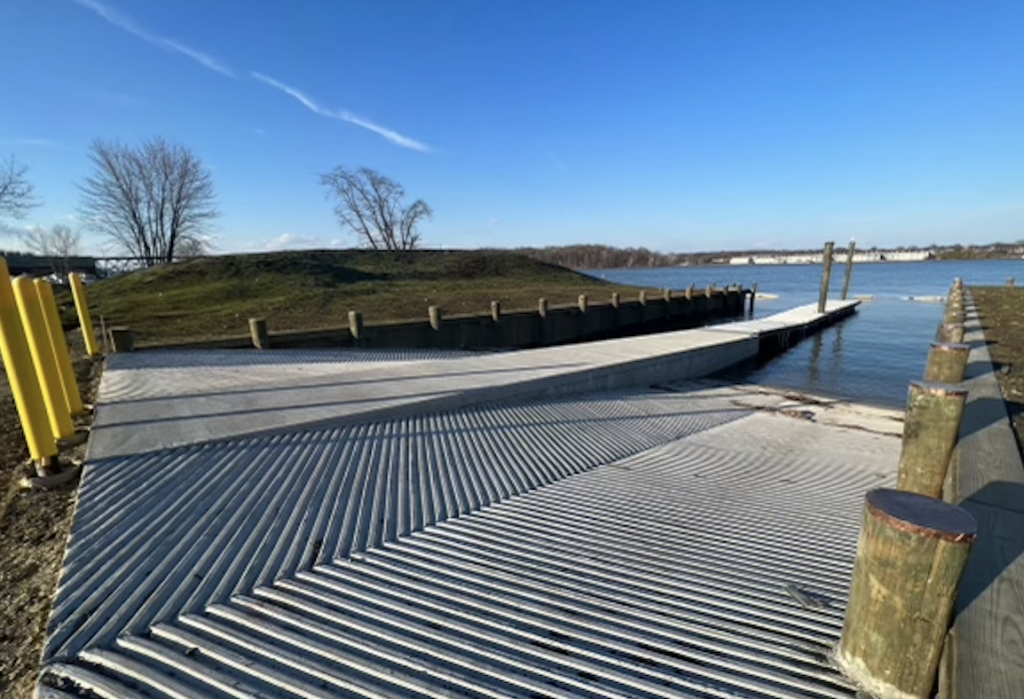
(869, 358)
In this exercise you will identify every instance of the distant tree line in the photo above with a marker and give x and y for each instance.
(601, 257)
(607, 257)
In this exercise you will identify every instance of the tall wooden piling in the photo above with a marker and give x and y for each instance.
(930, 432)
(753, 295)
(947, 362)
(849, 269)
(910, 557)
(826, 276)
(951, 332)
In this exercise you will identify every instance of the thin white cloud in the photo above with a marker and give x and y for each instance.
(393, 136)
(32, 142)
(259, 132)
(119, 20)
(290, 241)
(342, 115)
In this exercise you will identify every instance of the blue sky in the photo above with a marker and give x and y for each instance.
(677, 125)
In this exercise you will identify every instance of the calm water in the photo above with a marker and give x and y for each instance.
(868, 358)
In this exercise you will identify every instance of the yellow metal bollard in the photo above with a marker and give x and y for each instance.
(21, 373)
(84, 319)
(68, 382)
(42, 356)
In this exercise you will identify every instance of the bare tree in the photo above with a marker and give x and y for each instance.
(371, 205)
(193, 247)
(149, 200)
(17, 195)
(59, 243)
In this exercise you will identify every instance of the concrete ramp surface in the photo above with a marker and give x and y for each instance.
(689, 540)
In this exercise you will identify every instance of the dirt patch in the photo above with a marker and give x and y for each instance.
(1001, 311)
(34, 527)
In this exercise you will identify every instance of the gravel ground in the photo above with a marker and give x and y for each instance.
(34, 528)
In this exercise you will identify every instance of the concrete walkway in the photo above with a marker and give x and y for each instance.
(987, 479)
(158, 400)
(495, 530)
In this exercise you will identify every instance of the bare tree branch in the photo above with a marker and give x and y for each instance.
(59, 243)
(153, 201)
(17, 195)
(371, 205)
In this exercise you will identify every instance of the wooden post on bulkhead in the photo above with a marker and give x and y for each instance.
(642, 297)
(496, 311)
(910, 557)
(826, 276)
(930, 431)
(667, 295)
(435, 317)
(257, 331)
(753, 295)
(355, 327)
(582, 301)
(947, 362)
(542, 307)
(849, 269)
(615, 299)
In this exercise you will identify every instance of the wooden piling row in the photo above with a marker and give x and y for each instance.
(913, 546)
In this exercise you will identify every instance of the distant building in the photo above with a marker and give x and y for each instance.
(815, 258)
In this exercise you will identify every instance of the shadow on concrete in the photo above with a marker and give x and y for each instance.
(997, 557)
(980, 414)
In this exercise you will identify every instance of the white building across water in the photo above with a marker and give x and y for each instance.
(814, 258)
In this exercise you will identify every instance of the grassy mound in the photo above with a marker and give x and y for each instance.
(308, 290)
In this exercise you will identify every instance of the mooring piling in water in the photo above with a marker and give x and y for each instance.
(849, 269)
(826, 276)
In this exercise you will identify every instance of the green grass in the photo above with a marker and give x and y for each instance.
(214, 297)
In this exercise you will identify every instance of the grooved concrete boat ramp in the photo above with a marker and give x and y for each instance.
(580, 521)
